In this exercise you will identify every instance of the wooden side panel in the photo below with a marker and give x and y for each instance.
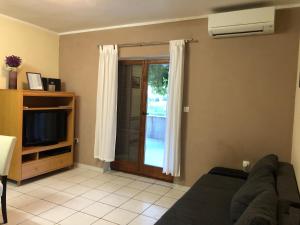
(11, 117)
(71, 127)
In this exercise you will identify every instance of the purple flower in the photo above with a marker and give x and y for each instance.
(13, 61)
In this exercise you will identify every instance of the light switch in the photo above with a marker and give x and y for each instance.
(186, 109)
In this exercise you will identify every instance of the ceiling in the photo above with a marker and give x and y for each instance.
(69, 15)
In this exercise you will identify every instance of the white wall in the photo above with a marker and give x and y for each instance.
(296, 132)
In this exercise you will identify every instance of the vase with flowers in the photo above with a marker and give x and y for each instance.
(12, 63)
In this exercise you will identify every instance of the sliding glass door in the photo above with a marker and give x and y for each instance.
(142, 102)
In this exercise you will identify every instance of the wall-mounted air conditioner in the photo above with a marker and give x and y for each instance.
(241, 23)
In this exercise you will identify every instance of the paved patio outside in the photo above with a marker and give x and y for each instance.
(154, 152)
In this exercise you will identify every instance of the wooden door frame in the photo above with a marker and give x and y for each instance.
(140, 168)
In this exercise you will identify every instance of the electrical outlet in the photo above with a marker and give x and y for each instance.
(186, 109)
(76, 140)
(246, 165)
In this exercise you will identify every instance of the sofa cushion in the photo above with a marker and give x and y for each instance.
(252, 188)
(261, 211)
(207, 202)
(268, 163)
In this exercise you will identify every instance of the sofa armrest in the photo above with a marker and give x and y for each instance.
(229, 172)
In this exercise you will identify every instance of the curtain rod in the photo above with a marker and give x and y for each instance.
(152, 43)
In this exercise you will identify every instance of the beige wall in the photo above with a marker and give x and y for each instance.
(38, 48)
(296, 131)
(240, 90)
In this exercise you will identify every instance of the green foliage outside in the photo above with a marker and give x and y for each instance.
(158, 78)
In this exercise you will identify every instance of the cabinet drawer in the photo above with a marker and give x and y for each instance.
(42, 166)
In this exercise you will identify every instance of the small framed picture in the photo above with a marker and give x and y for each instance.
(135, 82)
(35, 81)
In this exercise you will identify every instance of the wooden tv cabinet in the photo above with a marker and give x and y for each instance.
(28, 162)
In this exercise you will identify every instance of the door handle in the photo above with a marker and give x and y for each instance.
(145, 113)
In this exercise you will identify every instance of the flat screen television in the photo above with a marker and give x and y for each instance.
(44, 127)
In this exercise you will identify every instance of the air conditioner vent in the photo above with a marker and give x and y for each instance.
(242, 23)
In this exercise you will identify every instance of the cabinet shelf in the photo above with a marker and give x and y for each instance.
(47, 108)
(34, 149)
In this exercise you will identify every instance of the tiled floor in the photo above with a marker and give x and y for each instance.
(81, 197)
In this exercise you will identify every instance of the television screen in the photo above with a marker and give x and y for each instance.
(44, 127)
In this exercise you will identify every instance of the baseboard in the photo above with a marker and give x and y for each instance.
(85, 166)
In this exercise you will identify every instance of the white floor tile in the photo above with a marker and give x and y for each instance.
(57, 214)
(127, 191)
(146, 179)
(181, 187)
(120, 216)
(105, 177)
(76, 179)
(78, 203)
(42, 192)
(114, 200)
(36, 221)
(95, 194)
(60, 185)
(166, 202)
(46, 181)
(135, 206)
(139, 185)
(122, 181)
(59, 197)
(143, 220)
(12, 194)
(92, 183)
(110, 187)
(15, 216)
(155, 211)
(128, 175)
(147, 197)
(38, 207)
(77, 190)
(89, 174)
(103, 222)
(158, 189)
(27, 187)
(21, 201)
(164, 183)
(11, 185)
(64, 175)
(175, 194)
(79, 219)
(98, 209)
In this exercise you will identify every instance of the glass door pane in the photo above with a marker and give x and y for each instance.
(156, 114)
(129, 112)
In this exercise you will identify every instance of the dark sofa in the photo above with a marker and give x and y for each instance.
(268, 195)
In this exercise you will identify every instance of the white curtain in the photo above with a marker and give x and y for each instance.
(106, 111)
(172, 152)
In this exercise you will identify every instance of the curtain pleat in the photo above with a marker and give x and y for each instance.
(106, 106)
(172, 154)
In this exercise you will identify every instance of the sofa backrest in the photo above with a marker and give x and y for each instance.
(287, 188)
